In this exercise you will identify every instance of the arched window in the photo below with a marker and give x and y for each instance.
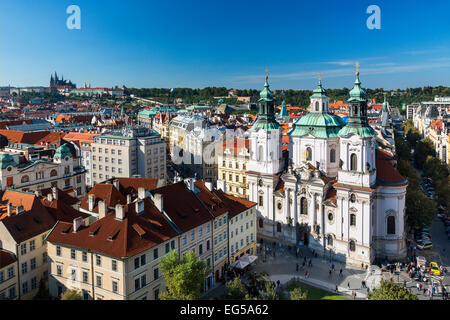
(261, 223)
(303, 206)
(260, 153)
(308, 154)
(278, 227)
(25, 178)
(333, 155)
(53, 173)
(352, 245)
(352, 198)
(391, 225)
(353, 219)
(353, 162)
(355, 111)
(330, 240)
(317, 105)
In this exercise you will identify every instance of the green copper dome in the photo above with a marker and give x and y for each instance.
(266, 94)
(364, 132)
(62, 152)
(319, 125)
(6, 160)
(357, 93)
(319, 92)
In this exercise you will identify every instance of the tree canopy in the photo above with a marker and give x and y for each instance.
(71, 295)
(184, 277)
(388, 290)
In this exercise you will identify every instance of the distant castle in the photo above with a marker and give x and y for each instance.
(56, 83)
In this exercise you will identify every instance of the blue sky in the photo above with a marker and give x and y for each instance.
(175, 43)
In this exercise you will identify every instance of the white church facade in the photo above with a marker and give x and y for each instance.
(336, 192)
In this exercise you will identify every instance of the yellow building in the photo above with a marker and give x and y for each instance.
(232, 167)
(8, 276)
(114, 258)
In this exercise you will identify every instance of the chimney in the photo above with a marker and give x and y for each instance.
(208, 185)
(50, 197)
(221, 184)
(101, 209)
(91, 201)
(116, 183)
(77, 223)
(161, 183)
(120, 212)
(20, 209)
(139, 206)
(128, 198)
(9, 209)
(158, 200)
(55, 193)
(141, 193)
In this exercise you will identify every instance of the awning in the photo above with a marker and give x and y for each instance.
(244, 261)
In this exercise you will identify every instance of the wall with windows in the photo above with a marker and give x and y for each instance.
(242, 233)
(9, 287)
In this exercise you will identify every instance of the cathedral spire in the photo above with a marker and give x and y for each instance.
(385, 114)
(266, 114)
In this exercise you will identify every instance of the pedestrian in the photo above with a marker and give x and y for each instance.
(340, 272)
(310, 263)
(424, 290)
(418, 286)
(336, 288)
(362, 284)
(362, 265)
(303, 264)
(306, 274)
(332, 267)
(348, 285)
(304, 259)
(329, 272)
(353, 294)
(278, 283)
(296, 267)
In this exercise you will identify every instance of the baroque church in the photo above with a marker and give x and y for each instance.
(338, 192)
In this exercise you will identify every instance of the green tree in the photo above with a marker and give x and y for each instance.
(184, 277)
(71, 295)
(298, 294)
(270, 292)
(424, 148)
(42, 293)
(420, 210)
(235, 289)
(388, 290)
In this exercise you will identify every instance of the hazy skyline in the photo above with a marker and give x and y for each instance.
(196, 44)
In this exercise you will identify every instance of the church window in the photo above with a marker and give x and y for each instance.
(330, 216)
(391, 225)
(279, 205)
(260, 153)
(261, 201)
(25, 178)
(53, 173)
(278, 227)
(303, 206)
(261, 223)
(308, 154)
(353, 162)
(352, 245)
(260, 183)
(352, 219)
(317, 105)
(352, 198)
(355, 111)
(333, 155)
(330, 240)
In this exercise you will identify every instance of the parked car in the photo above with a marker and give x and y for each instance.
(434, 269)
(422, 245)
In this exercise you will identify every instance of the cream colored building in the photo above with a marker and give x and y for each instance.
(127, 153)
(232, 167)
(114, 258)
(63, 171)
(9, 288)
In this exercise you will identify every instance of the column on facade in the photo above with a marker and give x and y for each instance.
(287, 205)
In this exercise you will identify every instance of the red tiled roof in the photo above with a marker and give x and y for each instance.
(105, 192)
(234, 204)
(34, 221)
(190, 214)
(214, 203)
(387, 175)
(6, 258)
(118, 238)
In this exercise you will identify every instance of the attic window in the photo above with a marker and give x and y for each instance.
(93, 233)
(139, 230)
(37, 220)
(196, 210)
(114, 236)
(18, 227)
(66, 230)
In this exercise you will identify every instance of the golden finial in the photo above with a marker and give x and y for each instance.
(357, 68)
(267, 72)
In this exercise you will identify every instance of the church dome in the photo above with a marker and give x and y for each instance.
(62, 152)
(6, 160)
(319, 125)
